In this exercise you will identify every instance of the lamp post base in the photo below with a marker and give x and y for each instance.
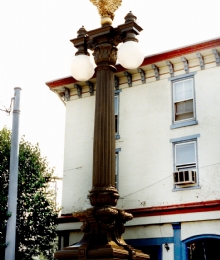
(102, 227)
(108, 252)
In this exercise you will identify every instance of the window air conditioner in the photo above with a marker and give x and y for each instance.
(184, 177)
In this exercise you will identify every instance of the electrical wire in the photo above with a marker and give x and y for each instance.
(147, 186)
(152, 183)
(162, 180)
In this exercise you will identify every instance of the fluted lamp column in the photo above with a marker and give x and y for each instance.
(103, 223)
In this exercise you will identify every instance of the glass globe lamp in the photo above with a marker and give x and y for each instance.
(130, 55)
(82, 68)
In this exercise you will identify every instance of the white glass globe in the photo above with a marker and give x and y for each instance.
(82, 68)
(130, 56)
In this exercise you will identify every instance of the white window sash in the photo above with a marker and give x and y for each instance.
(116, 169)
(116, 163)
(186, 164)
(116, 105)
(175, 102)
(183, 92)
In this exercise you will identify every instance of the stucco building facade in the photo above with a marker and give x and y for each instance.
(167, 152)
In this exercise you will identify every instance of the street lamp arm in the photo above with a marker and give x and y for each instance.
(103, 41)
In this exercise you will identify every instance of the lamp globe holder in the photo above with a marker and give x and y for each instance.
(130, 55)
(82, 68)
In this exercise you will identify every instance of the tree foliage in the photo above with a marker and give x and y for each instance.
(36, 209)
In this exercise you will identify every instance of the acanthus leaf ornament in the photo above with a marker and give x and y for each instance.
(106, 9)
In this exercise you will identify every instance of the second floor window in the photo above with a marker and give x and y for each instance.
(183, 100)
(185, 156)
(116, 116)
(117, 168)
(185, 163)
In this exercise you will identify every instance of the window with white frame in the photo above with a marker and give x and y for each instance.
(185, 172)
(183, 99)
(185, 155)
(117, 115)
(117, 168)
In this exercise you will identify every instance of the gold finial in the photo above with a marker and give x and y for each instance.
(106, 9)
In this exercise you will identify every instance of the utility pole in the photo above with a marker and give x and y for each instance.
(13, 180)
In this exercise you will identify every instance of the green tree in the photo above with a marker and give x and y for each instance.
(36, 209)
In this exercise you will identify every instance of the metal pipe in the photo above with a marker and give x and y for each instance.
(13, 180)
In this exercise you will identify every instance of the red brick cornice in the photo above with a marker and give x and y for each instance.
(61, 82)
(149, 60)
(181, 52)
(194, 207)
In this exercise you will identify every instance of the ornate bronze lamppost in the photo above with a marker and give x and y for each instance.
(103, 223)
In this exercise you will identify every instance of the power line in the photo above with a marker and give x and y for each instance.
(146, 186)
(150, 184)
(164, 179)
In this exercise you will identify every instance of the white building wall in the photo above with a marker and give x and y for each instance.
(186, 217)
(153, 231)
(142, 117)
(77, 177)
(168, 255)
(208, 110)
(146, 156)
(189, 229)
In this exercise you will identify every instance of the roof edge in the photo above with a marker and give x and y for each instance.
(149, 60)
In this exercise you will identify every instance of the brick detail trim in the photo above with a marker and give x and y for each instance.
(193, 207)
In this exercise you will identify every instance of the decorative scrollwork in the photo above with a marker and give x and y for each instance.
(105, 53)
(104, 220)
(102, 196)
